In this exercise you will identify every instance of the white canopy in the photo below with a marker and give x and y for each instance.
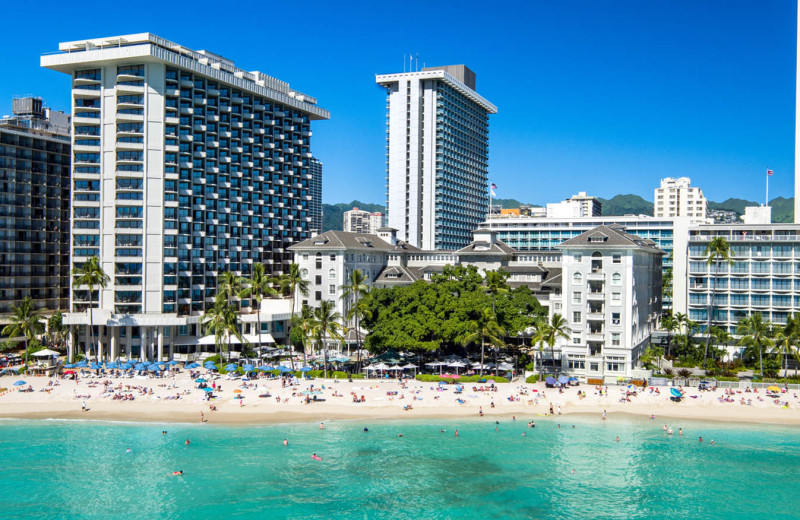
(45, 353)
(379, 366)
(251, 338)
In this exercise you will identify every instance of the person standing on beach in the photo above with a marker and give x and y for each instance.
(202, 417)
(604, 415)
(83, 406)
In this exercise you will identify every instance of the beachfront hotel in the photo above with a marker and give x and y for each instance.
(183, 166)
(34, 206)
(315, 190)
(437, 155)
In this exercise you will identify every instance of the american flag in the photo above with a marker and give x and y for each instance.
(769, 172)
(494, 186)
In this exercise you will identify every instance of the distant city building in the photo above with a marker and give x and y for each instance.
(723, 216)
(34, 213)
(677, 198)
(437, 155)
(590, 206)
(611, 295)
(764, 276)
(315, 189)
(358, 221)
(184, 166)
(757, 215)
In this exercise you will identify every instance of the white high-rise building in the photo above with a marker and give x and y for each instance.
(184, 166)
(590, 206)
(359, 221)
(437, 155)
(677, 198)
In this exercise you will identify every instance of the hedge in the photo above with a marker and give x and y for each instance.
(429, 378)
(532, 379)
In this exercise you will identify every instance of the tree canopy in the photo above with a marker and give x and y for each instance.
(427, 316)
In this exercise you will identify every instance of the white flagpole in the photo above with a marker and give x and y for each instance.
(766, 203)
(490, 199)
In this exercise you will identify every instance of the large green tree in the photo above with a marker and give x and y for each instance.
(717, 251)
(550, 332)
(222, 321)
(91, 275)
(25, 321)
(428, 316)
(670, 324)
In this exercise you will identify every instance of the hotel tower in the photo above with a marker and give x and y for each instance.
(437, 156)
(183, 167)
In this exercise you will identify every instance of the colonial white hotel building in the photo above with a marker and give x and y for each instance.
(184, 166)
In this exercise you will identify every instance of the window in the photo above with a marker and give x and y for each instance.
(616, 259)
(616, 279)
(333, 258)
(318, 295)
(576, 316)
(578, 258)
(319, 260)
(576, 297)
(615, 367)
(332, 274)
(331, 289)
(577, 277)
(305, 256)
(304, 273)
(615, 318)
(615, 297)
(594, 367)
(615, 339)
(576, 340)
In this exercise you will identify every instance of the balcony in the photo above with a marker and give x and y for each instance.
(596, 295)
(596, 316)
(596, 276)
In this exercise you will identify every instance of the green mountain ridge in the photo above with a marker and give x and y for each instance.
(630, 204)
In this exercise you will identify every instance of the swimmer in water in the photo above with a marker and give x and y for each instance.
(187, 442)
(399, 434)
(456, 433)
(316, 457)
(680, 431)
(669, 431)
(128, 450)
(712, 441)
(177, 473)
(321, 426)
(442, 430)
(285, 442)
(524, 434)
(366, 429)
(617, 438)
(701, 439)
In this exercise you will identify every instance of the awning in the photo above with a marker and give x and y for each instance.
(45, 353)
(211, 340)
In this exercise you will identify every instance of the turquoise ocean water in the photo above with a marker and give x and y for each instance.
(76, 469)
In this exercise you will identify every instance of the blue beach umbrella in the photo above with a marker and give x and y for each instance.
(230, 367)
(200, 380)
(550, 380)
(305, 369)
(192, 365)
(20, 383)
(70, 365)
(248, 367)
(95, 366)
(675, 392)
(563, 380)
(208, 390)
(284, 369)
(172, 362)
(266, 368)
(140, 366)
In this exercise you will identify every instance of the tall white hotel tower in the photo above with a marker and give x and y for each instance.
(437, 154)
(184, 166)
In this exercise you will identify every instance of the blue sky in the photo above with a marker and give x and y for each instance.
(605, 97)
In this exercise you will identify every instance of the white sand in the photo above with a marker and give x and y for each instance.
(427, 400)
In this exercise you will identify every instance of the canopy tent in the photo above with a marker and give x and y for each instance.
(45, 353)
(233, 340)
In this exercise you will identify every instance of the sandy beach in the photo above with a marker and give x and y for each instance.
(179, 399)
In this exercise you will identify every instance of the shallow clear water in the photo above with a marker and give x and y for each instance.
(75, 469)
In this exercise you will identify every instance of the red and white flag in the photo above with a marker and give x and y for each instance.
(769, 172)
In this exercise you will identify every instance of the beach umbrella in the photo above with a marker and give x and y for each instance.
(171, 362)
(20, 383)
(774, 389)
(70, 365)
(248, 367)
(675, 392)
(284, 369)
(550, 380)
(265, 368)
(192, 365)
(305, 369)
(237, 391)
(208, 390)
(95, 366)
(563, 380)
(571, 379)
(200, 380)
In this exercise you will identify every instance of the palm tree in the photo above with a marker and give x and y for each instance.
(721, 335)
(539, 331)
(25, 321)
(783, 347)
(354, 288)
(717, 251)
(360, 312)
(306, 323)
(495, 283)
(557, 328)
(755, 334)
(258, 286)
(670, 324)
(90, 274)
(230, 286)
(328, 323)
(293, 282)
(221, 319)
(484, 329)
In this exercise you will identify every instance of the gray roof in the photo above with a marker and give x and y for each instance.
(404, 275)
(498, 248)
(610, 237)
(553, 278)
(338, 240)
(523, 269)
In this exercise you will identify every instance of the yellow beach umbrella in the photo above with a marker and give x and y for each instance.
(773, 389)
(237, 391)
